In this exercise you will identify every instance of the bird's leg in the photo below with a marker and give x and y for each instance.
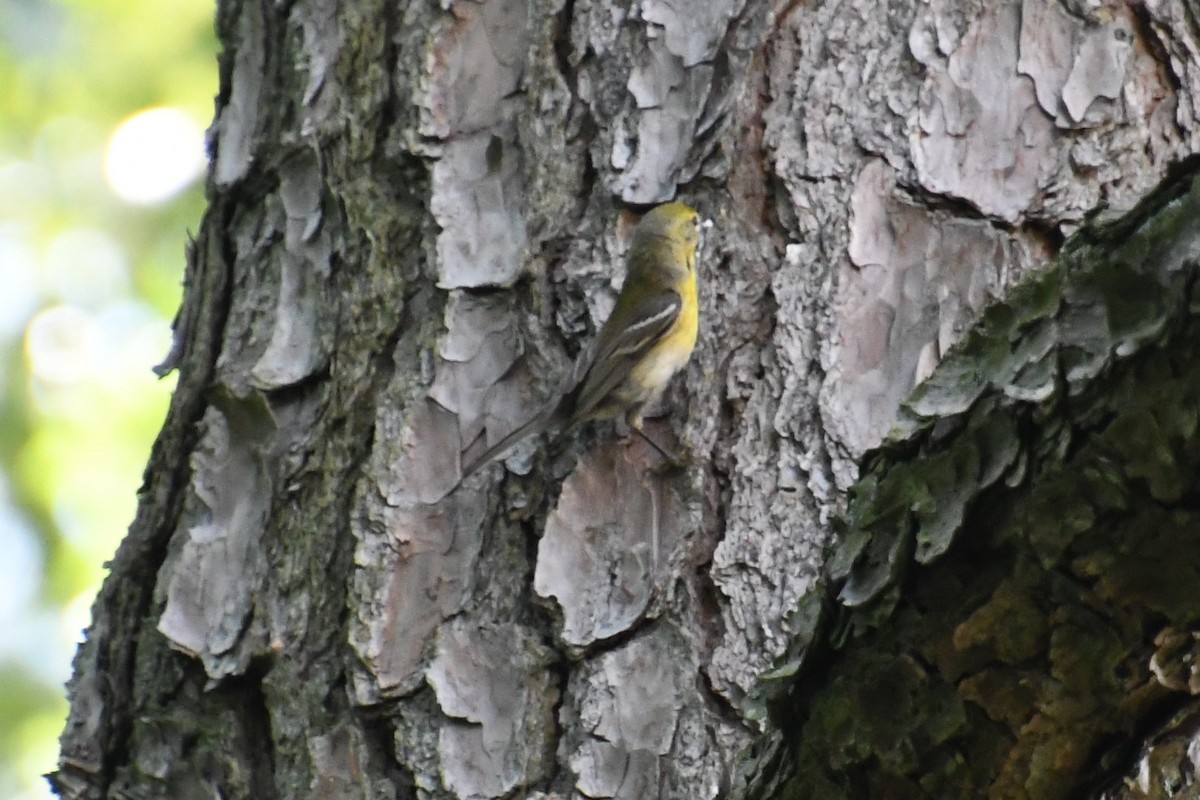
(646, 438)
(634, 420)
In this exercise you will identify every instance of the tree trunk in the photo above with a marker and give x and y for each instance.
(417, 219)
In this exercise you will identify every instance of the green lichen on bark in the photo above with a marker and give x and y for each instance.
(1018, 564)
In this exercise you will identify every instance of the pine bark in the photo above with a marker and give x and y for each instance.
(417, 214)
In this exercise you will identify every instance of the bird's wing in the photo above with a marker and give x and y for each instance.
(617, 351)
(614, 353)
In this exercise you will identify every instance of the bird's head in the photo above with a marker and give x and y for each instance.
(676, 222)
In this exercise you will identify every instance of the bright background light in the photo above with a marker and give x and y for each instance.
(102, 109)
(154, 155)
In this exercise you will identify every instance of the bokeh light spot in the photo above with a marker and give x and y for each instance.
(60, 343)
(153, 155)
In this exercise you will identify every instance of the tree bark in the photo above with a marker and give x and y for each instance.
(1013, 604)
(417, 218)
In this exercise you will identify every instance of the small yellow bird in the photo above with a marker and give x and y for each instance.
(648, 337)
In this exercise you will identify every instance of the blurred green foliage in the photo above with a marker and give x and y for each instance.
(88, 285)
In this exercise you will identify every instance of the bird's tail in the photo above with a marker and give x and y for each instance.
(549, 417)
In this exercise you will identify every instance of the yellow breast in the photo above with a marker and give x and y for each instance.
(672, 352)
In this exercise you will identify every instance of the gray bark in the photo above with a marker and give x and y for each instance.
(417, 216)
(1012, 605)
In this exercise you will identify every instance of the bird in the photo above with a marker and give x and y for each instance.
(646, 340)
